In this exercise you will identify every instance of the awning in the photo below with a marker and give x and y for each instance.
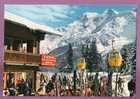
(20, 67)
(48, 69)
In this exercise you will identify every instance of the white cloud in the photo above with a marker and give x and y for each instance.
(54, 11)
(49, 12)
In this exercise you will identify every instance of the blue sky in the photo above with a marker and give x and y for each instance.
(60, 15)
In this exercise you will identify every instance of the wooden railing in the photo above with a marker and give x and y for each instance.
(21, 58)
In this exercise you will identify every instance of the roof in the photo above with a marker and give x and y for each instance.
(32, 25)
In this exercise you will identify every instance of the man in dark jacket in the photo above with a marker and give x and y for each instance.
(49, 86)
(131, 87)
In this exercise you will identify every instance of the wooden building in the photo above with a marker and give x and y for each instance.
(21, 49)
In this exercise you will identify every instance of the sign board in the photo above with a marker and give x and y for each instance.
(48, 60)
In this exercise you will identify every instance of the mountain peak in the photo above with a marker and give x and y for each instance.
(90, 14)
(110, 12)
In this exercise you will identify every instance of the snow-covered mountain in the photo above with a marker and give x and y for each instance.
(94, 27)
(50, 43)
(105, 27)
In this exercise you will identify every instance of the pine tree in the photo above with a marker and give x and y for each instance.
(133, 59)
(92, 57)
(126, 61)
(129, 58)
(70, 57)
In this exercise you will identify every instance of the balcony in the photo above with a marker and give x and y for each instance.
(16, 57)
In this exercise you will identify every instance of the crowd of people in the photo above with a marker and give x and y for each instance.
(60, 84)
(63, 85)
(22, 88)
